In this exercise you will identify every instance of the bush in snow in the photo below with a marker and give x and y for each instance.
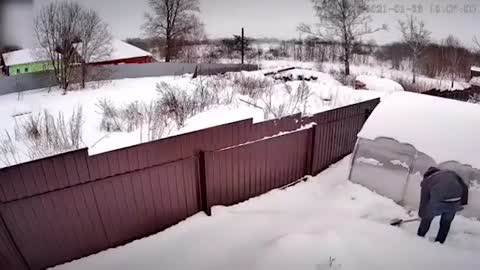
(295, 102)
(154, 121)
(46, 135)
(251, 86)
(219, 86)
(151, 119)
(8, 151)
(131, 116)
(204, 95)
(111, 121)
(176, 103)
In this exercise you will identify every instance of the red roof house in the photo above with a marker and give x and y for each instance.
(121, 53)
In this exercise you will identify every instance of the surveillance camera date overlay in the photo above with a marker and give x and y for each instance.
(423, 8)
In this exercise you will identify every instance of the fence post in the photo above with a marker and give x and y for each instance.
(202, 181)
(311, 151)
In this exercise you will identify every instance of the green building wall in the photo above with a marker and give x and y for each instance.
(30, 68)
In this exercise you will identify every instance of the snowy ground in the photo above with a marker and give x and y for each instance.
(324, 223)
(324, 94)
(380, 70)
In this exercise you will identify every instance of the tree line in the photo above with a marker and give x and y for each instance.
(174, 30)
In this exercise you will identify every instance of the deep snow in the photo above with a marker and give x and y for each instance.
(442, 128)
(324, 223)
(374, 83)
(325, 93)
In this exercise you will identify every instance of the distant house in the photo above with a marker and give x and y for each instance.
(26, 61)
(122, 53)
(36, 60)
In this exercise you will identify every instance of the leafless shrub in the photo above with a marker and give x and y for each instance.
(150, 119)
(47, 135)
(296, 102)
(251, 86)
(155, 121)
(131, 116)
(111, 121)
(75, 125)
(8, 151)
(32, 127)
(176, 103)
(204, 95)
(219, 86)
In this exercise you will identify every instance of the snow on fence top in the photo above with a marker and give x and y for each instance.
(379, 84)
(474, 68)
(120, 50)
(25, 56)
(446, 130)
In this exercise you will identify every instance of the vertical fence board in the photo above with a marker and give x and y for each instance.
(268, 167)
(10, 257)
(55, 223)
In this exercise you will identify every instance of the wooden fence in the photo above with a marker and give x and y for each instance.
(72, 205)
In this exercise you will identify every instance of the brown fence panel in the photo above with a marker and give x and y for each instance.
(10, 257)
(336, 133)
(236, 174)
(67, 224)
(56, 227)
(44, 175)
(136, 204)
(167, 150)
(273, 127)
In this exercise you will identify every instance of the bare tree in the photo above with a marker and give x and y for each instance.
(343, 21)
(95, 43)
(453, 57)
(56, 28)
(172, 21)
(416, 36)
(60, 27)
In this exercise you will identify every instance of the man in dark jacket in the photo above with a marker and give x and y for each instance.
(443, 193)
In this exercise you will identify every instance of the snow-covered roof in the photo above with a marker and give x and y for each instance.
(444, 129)
(120, 50)
(379, 84)
(474, 68)
(475, 81)
(25, 56)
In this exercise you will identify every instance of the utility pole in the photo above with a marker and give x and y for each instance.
(243, 46)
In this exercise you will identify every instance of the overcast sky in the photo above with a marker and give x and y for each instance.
(261, 18)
